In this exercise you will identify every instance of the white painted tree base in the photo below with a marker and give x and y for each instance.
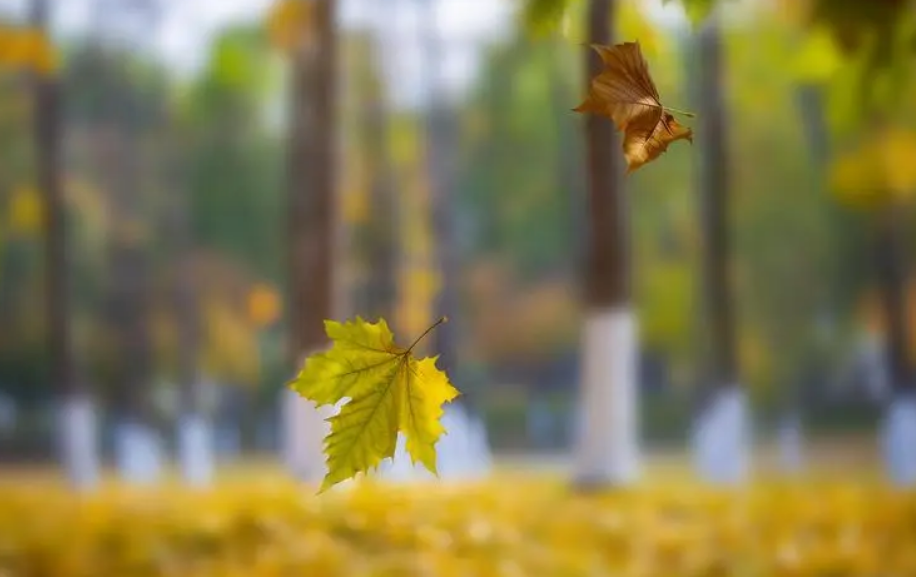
(400, 469)
(481, 455)
(195, 450)
(78, 442)
(722, 438)
(790, 446)
(138, 453)
(607, 443)
(304, 429)
(462, 453)
(898, 440)
(8, 413)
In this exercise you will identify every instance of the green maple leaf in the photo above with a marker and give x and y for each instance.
(389, 391)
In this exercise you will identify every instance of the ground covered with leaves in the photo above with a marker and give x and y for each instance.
(512, 526)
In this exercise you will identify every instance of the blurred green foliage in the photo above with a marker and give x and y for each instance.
(797, 97)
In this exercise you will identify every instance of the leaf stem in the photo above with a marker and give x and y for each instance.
(427, 331)
(682, 112)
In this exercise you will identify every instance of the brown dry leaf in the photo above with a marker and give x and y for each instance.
(625, 93)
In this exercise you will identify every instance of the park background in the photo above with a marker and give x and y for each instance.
(188, 189)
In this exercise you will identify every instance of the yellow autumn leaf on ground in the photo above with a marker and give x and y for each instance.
(388, 391)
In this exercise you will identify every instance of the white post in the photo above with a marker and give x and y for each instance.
(607, 448)
(78, 441)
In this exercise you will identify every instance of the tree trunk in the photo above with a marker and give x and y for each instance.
(570, 176)
(77, 422)
(381, 246)
(312, 166)
(721, 436)
(607, 443)
(810, 103)
(464, 450)
(137, 443)
(891, 259)
(194, 431)
(899, 429)
(439, 140)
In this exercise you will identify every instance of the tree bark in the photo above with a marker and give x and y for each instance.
(722, 434)
(607, 447)
(312, 166)
(607, 278)
(78, 444)
(440, 170)
(891, 259)
(713, 174)
(465, 452)
(138, 448)
(312, 225)
(48, 140)
(194, 430)
(898, 429)
(382, 249)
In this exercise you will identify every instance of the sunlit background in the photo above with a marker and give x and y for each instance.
(166, 261)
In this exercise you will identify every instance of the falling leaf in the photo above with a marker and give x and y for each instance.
(388, 391)
(625, 93)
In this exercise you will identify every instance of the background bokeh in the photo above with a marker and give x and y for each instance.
(179, 141)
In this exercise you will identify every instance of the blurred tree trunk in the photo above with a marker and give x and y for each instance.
(77, 418)
(312, 173)
(382, 246)
(607, 444)
(439, 141)
(890, 260)
(810, 102)
(465, 452)
(194, 431)
(717, 296)
(899, 428)
(137, 444)
(721, 437)
(128, 307)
